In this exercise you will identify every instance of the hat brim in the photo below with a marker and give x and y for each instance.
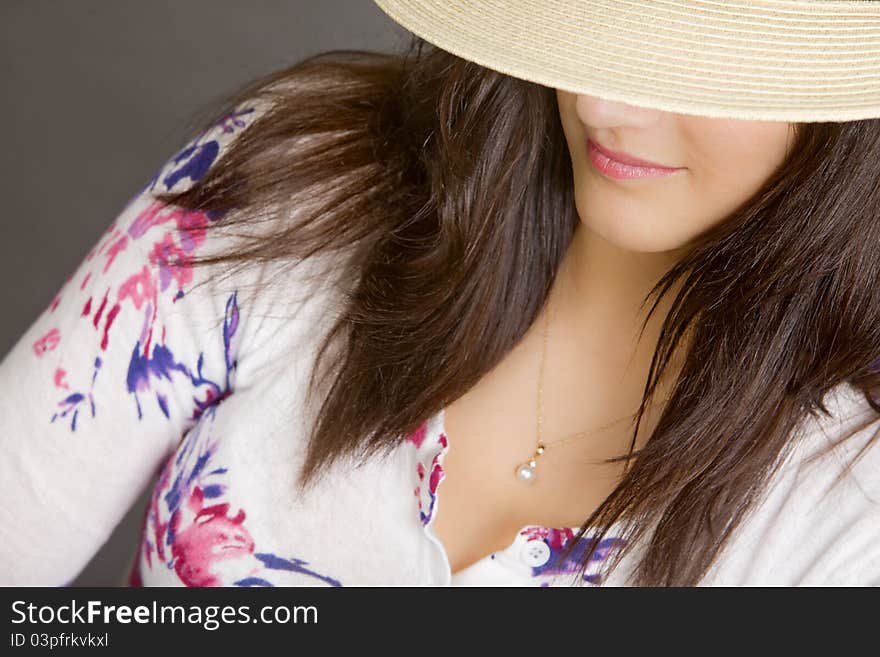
(774, 60)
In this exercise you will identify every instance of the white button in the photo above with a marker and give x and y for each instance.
(535, 552)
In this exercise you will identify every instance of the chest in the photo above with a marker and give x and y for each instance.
(481, 506)
(595, 393)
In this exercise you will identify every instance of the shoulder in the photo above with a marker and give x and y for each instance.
(278, 304)
(193, 160)
(841, 448)
(818, 520)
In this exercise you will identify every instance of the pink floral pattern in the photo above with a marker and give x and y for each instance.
(427, 495)
(168, 237)
(193, 528)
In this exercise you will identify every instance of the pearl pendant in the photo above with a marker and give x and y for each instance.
(525, 472)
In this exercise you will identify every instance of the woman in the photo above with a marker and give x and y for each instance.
(375, 273)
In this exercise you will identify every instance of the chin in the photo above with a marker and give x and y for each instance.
(630, 228)
(633, 235)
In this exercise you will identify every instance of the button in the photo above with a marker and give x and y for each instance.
(535, 552)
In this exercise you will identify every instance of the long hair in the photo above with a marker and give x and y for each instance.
(448, 187)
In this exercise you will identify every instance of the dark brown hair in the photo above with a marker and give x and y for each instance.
(449, 187)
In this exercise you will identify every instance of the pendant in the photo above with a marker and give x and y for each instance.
(525, 472)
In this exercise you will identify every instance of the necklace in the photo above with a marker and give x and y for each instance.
(525, 471)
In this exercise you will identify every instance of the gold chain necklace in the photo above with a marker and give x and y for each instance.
(525, 471)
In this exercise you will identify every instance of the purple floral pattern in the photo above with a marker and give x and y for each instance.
(558, 539)
(192, 528)
(176, 234)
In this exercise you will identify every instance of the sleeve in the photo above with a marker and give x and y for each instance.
(98, 391)
(831, 524)
(857, 561)
(841, 545)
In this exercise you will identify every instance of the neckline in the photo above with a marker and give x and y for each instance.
(440, 431)
(432, 443)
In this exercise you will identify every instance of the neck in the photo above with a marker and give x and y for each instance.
(596, 297)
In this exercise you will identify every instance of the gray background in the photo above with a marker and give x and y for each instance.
(100, 93)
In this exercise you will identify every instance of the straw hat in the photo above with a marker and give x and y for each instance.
(775, 60)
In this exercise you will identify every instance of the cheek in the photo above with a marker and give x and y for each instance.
(732, 165)
(744, 156)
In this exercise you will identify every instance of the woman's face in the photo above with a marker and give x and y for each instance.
(723, 163)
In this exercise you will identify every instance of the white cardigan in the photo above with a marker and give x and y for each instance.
(134, 377)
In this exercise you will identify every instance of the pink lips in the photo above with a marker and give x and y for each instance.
(621, 166)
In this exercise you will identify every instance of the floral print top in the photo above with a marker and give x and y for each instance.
(146, 372)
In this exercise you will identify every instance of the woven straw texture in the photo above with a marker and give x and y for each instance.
(775, 60)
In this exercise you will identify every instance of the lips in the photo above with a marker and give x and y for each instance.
(615, 170)
(623, 158)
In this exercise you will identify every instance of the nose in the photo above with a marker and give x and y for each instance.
(602, 113)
